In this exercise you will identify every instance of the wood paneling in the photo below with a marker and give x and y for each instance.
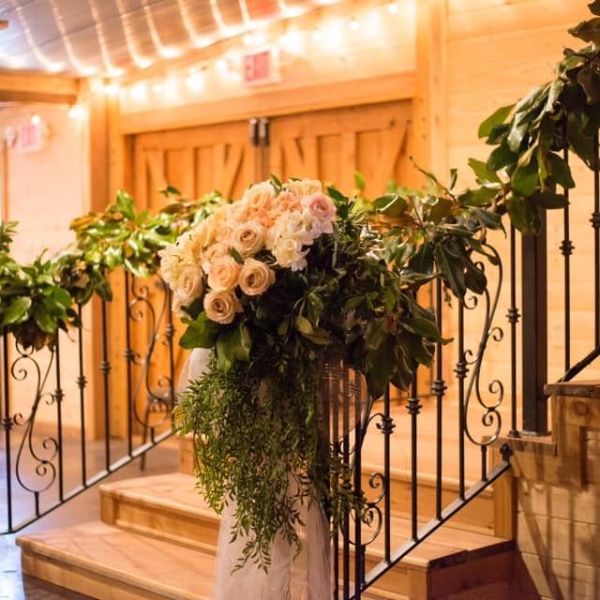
(332, 145)
(32, 87)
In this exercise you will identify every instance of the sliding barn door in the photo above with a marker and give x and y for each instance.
(332, 144)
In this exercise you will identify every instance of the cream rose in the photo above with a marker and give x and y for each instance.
(255, 277)
(223, 274)
(222, 306)
(304, 187)
(217, 250)
(260, 194)
(189, 283)
(248, 238)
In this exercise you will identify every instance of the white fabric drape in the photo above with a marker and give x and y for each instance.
(289, 577)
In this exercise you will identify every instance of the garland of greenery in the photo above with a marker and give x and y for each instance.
(525, 174)
(38, 299)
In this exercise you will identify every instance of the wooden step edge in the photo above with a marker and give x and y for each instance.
(167, 504)
(61, 558)
(172, 538)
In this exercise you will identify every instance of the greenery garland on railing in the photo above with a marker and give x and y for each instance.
(38, 299)
(525, 172)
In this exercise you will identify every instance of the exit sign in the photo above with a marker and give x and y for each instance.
(31, 137)
(260, 67)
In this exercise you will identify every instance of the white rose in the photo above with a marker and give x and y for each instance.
(255, 277)
(221, 306)
(248, 238)
(259, 194)
(288, 253)
(189, 283)
(223, 274)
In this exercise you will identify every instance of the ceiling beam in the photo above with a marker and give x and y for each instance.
(36, 87)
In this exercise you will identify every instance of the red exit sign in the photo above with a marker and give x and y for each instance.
(260, 67)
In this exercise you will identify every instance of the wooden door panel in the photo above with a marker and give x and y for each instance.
(331, 145)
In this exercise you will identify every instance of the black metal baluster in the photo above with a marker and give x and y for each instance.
(346, 459)
(170, 334)
(7, 423)
(566, 248)
(359, 549)
(105, 369)
(129, 356)
(439, 389)
(333, 405)
(461, 373)
(387, 428)
(81, 384)
(414, 408)
(595, 220)
(58, 399)
(513, 318)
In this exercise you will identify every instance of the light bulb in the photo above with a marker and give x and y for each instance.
(158, 88)
(393, 8)
(195, 81)
(138, 92)
(353, 24)
(112, 88)
(317, 35)
(77, 112)
(167, 52)
(35, 119)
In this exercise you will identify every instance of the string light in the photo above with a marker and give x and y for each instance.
(140, 61)
(49, 65)
(195, 80)
(78, 112)
(110, 69)
(163, 51)
(139, 92)
(112, 89)
(393, 8)
(85, 70)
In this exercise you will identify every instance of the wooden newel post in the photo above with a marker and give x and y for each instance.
(534, 277)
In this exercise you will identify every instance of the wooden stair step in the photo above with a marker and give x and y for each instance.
(478, 515)
(113, 564)
(170, 508)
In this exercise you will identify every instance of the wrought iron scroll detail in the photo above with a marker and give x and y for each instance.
(491, 399)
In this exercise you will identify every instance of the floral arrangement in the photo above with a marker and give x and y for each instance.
(276, 284)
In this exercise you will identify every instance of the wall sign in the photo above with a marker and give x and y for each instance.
(260, 67)
(31, 137)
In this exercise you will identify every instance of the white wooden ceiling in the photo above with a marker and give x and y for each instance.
(111, 37)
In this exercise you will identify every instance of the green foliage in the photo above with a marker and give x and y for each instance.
(526, 170)
(38, 299)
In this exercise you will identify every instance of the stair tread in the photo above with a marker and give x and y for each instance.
(147, 563)
(176, 492)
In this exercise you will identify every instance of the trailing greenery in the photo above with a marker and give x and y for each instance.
(526, 172)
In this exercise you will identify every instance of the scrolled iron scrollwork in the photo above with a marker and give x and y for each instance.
(43, 452)
(492, 399)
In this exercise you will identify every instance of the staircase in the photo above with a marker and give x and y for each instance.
(157, 539)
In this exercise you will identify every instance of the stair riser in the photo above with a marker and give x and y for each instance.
(479, 514)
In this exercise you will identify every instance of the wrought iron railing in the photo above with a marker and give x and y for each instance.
(68, 423)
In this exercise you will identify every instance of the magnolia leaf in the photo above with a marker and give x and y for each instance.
(200, 333)
(440, 210)
(359, 181)
(425, 327)
(480, 197)
(496, 118)
(501, 157)
(451, 270)
(588, 79)
(525, 179)
(595, 7)
(475, 278)
(390, 205)
(304, 326)
(17, 311)
(588, 31)
(560, 171)
(482, 171)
